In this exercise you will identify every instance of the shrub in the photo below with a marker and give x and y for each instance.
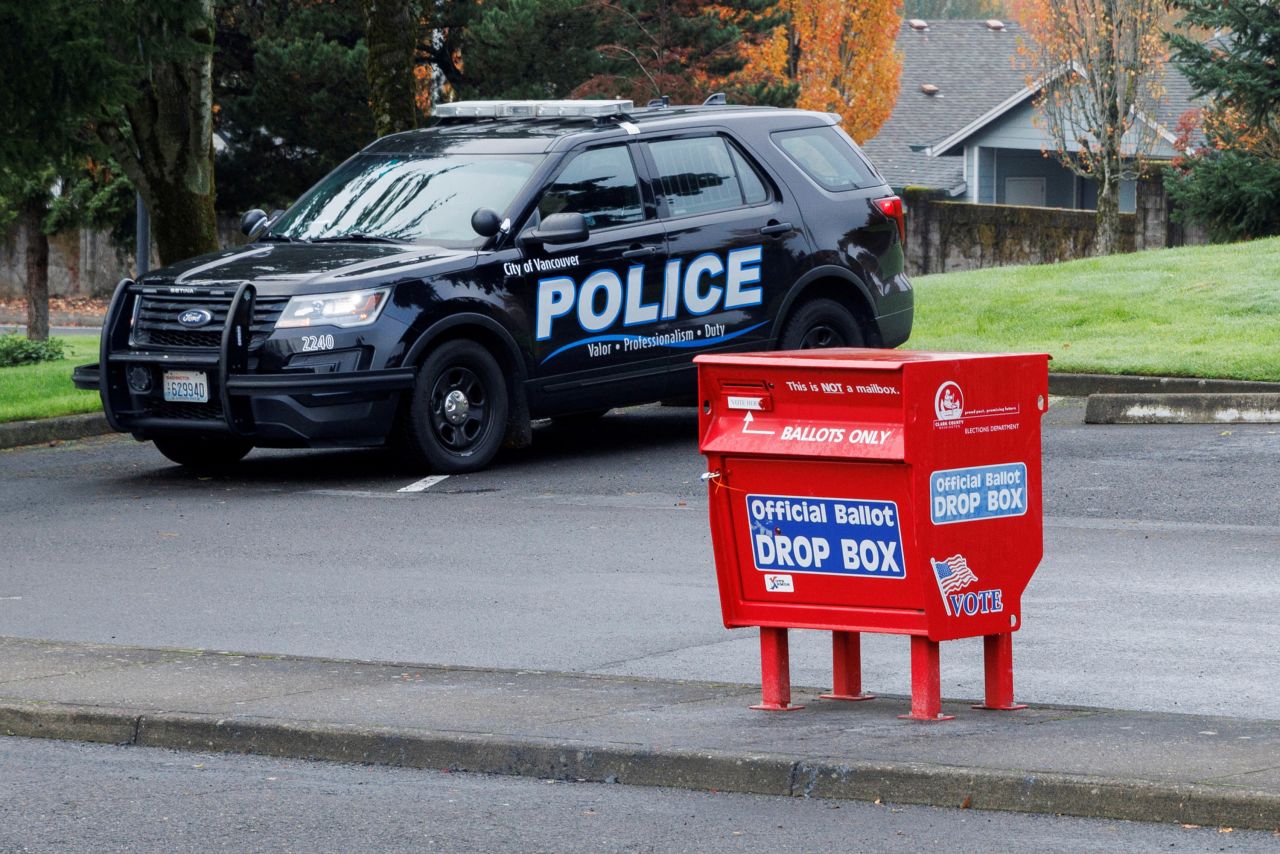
(1232, 193)
(17, 350)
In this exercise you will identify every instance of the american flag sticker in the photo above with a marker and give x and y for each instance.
(952, 575)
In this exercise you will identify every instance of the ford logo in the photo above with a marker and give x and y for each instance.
(193, 317)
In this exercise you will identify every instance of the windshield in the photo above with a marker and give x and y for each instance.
(403, 198)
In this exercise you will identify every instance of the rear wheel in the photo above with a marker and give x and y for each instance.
(821, 323)
(457, 413)
(202, 454)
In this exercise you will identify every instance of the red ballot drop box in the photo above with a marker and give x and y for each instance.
(862, 490)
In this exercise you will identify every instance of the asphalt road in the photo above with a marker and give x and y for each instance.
(591, 552)
(92, 798)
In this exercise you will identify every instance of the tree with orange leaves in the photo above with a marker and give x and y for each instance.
(682, 49)
(1098, 64)
(841, 57)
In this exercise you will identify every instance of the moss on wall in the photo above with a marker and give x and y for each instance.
(946, 236)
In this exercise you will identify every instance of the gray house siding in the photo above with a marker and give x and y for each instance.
(1015, 129)
(1013, 147)
(986, 158)
(1018, 128)
(1058, 182)
(1128, 195)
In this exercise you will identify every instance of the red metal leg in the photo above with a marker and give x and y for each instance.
(997, 655)
(775, 672)
(926, 682)
(846, 658)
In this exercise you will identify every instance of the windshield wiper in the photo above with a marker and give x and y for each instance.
(355, 237)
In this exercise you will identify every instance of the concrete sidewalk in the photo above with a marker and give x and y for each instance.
(1086, 762)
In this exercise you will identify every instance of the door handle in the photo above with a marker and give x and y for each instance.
(641, 252)
(778, 228)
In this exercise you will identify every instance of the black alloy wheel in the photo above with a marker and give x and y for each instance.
(457, 415)
(821, 323)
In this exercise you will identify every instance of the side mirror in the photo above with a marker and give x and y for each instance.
(251, 220)
(486, 222)
(561, 228)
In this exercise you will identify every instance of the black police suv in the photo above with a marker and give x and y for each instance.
(514, 261)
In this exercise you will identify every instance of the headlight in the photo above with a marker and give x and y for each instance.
(344, 310)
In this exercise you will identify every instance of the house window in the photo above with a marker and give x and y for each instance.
(1024, 191)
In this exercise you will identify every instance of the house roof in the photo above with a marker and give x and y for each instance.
(975, 70)
(979, 79)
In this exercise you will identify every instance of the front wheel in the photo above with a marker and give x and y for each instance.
(457, 414)
(201, 454)
(820, 323)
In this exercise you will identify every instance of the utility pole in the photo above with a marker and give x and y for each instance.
(142, 246)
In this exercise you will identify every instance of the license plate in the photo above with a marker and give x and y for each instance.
(186, 387)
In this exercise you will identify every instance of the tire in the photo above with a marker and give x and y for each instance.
(457, 412)
(820, 323)
(201, 454)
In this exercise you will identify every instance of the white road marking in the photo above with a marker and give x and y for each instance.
(425, 483)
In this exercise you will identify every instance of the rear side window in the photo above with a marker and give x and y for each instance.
(601, 185)
(704, 174)
(826, 157)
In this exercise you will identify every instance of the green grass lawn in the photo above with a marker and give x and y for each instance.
(45, 390)
(1206, 311)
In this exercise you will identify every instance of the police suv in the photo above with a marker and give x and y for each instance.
(514, 261)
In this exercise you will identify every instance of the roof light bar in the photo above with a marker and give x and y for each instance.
(529, 109)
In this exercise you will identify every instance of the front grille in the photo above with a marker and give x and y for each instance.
(156, 322)
(186, 338)
(211, 411)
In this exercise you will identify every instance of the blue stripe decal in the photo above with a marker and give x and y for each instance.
(696, 342)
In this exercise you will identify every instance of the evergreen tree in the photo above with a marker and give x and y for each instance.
(59, 196)
(529, 49)
(50, 177)
(1240, 67)
(1232, 183)
(291, 97)
(391, 32)
(136, 75)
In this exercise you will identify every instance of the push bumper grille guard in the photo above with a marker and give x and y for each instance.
(235, 384)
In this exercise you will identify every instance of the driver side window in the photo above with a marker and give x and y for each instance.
(601, 185)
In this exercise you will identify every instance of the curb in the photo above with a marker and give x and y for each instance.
(14, 434)
(1083, 385)
(1237, 408)
(1181, 400)
(761, 774)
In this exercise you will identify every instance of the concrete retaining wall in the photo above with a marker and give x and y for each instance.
(82, 263)
(944, 237)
